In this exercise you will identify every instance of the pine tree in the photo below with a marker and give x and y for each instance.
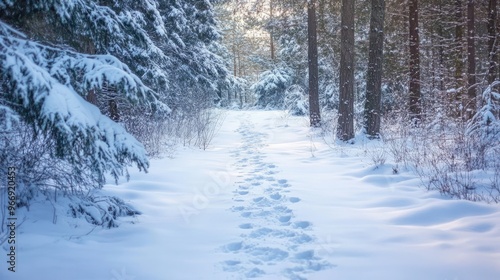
(314, 111)
(49, 77)
(492, 41)
(271, 88)
(375, 64)
(43, 87)
(470, 102)
(345, 129)
(414, 87)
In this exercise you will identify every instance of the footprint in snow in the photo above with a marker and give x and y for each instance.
(238, 208)
(233, 247)
(246, 226)
(285, 219)
(276, 196)
(302, 224)
(273, 237)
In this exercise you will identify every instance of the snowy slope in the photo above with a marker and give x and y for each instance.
(269, 199)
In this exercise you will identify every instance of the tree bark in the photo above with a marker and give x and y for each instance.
(113, 110)
(234, 47)
(91, 97)
(470, 103)
(492, 41)
(314, 111)
(375, 66)
(271, 8)
(345, 128)
(414, 86)
(456, 101)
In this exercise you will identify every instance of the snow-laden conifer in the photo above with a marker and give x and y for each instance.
(44, 87)
(271, 87)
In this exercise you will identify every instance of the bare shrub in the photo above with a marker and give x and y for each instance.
(378, 156)
(447, 159)
(329, 128)
(207, 123)
(395, 136)
(41, 173)
(494, 191)
(192, 121)
(151, 130)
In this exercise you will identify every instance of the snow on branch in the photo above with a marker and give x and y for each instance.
(45, 85)
(486, 121)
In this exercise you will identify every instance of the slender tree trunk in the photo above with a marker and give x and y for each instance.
(492, 41)
(470, 105)
(459, 34)
(375, 66)
(459, 62)
(345, 128)
(414, 87)
(314, 112)
(235, 61)
(239, 63)
(234, 47)
(271, 8)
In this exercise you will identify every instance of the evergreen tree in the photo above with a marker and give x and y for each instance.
(492, 41)
(375, 64)
(43, 87)
(314, 112)
(414, 42)
(57, 56)
(271, 88)
(345, 129)
(470, 101)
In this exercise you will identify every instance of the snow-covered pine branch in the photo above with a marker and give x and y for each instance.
(271, 88)
(44, 87)
(486, 122)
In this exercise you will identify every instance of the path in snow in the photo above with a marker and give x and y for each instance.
(269, 200)
(272, 241)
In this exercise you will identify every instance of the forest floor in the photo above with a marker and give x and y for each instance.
(268, 199)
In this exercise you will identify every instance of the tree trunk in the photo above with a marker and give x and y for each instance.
(345, 128)
(375, 65)
(234, 47)
(414, 87)
(314, 112)
(239, 62)
(492, 41)
(459, 62)
(91, 97)
(271, 33)
(113, 110)
(235, 62)
(470, 103)
(109, 92)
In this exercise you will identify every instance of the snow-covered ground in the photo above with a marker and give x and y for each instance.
(268, 199)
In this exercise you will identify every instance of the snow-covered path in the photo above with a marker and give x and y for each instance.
(274, 242)
(269, 199)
